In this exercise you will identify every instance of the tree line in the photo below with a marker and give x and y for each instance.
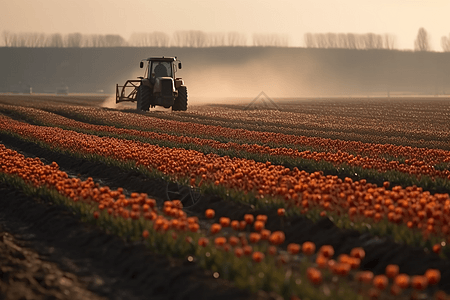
(200, 39)
(57, 40)
(369, 41)
(349, 41)
(190, 38)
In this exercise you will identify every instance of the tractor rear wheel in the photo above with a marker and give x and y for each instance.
(180, 102)
(143, 97)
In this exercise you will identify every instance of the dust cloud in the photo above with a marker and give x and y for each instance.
(222, 83)
(109, 102)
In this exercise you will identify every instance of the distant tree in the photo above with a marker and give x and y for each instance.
(94, 40)
(351, 41)
(191, 38)
(422, 41)
(360, 41)
(114, 40)
(373, 41)
(216, 39)
(6, 38)
(55, 40)
(321, 40)
(445, 43)
(180, 39)
(270, 40)
(389, 41)
(150, 39)
(74, 40)
(342, 41)
(331, 39)
(100, 40)
(12, 39)
(160, 39)
(198, 39)
(19, 40)
(236, 39)
(139, 39)
(310, 41)
(36, 40)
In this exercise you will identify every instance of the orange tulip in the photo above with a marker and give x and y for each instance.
(358, 252)
(257, 256)
(235, 224)
(265, 234)
(433, 276)
(220, 241)
(248, 218)
(258, 225)
(254, 237)
(203, 242)
(365, 276)
(225, 222)
(233, 240)
(402, 280)
(419, 282)
(215, 228)
(238, 252)
(247, 249)
(308, 248)
(210, 213)
(392, 271)
(277, 238)
(293, 248)
(327, 251)
(380, 282)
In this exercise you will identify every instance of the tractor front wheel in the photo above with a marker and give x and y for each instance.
(143, 97)
(182, 99)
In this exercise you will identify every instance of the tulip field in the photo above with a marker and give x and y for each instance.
(317, 199)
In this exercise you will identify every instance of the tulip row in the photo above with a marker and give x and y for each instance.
(170, 230)
(376, 118)
(411, 166)
(415, 156)
(410, 206)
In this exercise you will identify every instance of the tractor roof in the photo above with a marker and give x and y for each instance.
(161, 58)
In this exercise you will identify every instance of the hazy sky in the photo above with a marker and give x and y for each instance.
(401, 18)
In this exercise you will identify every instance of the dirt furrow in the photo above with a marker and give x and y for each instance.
(27, 275)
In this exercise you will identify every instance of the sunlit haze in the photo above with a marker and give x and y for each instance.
(294, 18)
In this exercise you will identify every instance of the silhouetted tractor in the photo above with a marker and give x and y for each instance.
(158, 86)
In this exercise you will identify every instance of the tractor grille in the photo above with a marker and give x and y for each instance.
(166, 87)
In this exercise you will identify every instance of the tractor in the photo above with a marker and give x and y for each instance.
(158, 86)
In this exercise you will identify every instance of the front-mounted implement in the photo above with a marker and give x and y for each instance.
(158, 86)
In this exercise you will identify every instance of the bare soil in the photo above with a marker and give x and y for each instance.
(26, 276)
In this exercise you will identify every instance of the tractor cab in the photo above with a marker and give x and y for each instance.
(160, 67)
